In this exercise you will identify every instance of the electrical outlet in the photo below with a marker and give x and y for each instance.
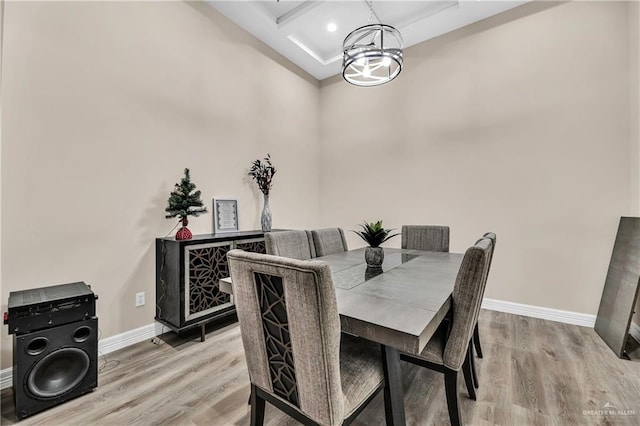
(140, 299)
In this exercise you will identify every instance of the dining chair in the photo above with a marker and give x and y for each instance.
(298, 360)
(449, 350)
(329, 241)
(476, 332)
(425, 237)
(292, 244)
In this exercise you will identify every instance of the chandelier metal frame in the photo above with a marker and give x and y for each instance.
(372, 55)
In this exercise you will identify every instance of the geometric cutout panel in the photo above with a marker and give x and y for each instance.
(206, 267)
(277, 339)
(253, 246)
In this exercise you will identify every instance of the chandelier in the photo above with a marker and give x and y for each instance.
(372, 54)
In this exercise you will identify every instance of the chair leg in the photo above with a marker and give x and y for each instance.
(257, 408)
(476, 341)
(467, 371)
(451, 389)
(474, 369)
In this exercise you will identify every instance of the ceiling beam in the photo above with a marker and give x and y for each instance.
(297, 11)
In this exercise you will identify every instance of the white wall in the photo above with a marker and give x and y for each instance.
(518, 124)
(104, 105)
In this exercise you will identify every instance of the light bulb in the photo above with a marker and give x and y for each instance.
(361, 62)
(366, 72)
(386, 61)
(332, 27)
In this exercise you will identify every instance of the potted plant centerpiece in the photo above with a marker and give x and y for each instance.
(184, 201)
(374, 234)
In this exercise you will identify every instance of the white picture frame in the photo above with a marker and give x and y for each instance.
(225, 215)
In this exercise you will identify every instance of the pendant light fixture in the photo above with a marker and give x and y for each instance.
(372, 54)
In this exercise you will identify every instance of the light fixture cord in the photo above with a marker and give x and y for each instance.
(370, 4)
(372, 15)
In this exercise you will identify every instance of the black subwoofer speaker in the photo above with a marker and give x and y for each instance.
(54, 365)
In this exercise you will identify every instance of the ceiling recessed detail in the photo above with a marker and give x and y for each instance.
(309, 51)
(299, 30)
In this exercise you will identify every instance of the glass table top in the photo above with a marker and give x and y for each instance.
(352, 277)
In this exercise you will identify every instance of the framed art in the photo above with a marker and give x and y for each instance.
(225, 216)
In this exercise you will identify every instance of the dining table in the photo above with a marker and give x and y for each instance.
(399, 305)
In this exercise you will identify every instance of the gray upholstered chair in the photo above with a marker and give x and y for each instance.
(425, 237)
(297, 358)
(329, 241)
(476, 332)
(292, 244)
(449, 349)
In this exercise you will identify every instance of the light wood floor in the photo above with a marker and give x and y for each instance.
(534, 372)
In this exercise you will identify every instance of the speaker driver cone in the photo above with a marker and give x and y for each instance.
(58, 372)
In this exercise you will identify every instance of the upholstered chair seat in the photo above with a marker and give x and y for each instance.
(434, 350)
(292, 244)
(329, 241)
(298, 359)
(361, 371)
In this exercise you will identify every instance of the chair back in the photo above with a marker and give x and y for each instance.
(292, 244)
(329, 241)
(290, 331)
(492, 236)
(466, 300)
(425, 237)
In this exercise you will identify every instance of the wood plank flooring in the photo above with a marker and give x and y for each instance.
(534, 372)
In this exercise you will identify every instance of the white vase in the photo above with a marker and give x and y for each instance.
(265, 219)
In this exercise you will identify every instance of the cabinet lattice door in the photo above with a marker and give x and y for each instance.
(255, 246)
(205, 265)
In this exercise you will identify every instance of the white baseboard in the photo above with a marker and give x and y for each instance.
(128, 338)
(6, 378)
(105, 346)
(567, 317)
(634, 331)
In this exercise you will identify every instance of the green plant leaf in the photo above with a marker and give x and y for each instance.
(374, 234)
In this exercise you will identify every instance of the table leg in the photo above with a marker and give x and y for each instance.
(394, 395)
(202, 332)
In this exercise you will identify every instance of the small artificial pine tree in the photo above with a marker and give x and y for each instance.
(182, 202)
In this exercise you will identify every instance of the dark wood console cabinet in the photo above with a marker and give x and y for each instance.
(187, 275)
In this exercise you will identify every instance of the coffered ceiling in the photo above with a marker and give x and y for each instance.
(310, 33)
